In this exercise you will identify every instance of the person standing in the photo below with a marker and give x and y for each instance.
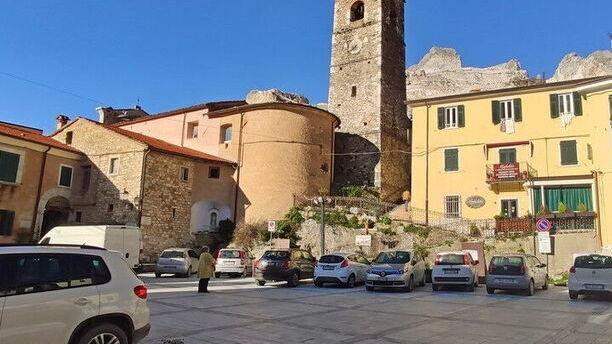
(206, 269)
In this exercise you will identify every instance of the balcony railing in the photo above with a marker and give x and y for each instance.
(510, 172)
(568, 222)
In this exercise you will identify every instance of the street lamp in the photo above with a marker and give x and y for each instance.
(321, 201)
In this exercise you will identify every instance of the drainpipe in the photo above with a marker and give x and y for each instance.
(238, 167)
(142, 183)
(38, 190)
(427, 168)
(598, 213)
(183, 133)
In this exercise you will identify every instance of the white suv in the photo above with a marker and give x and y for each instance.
(69, 294)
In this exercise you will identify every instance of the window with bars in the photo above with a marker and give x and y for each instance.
(452, 206)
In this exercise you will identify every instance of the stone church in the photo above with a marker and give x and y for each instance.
(367, 92)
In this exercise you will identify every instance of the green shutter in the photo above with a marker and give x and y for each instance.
(577, 104)
(461, 116)
(65, 176)
(441, 118)
(495, 112)
(554, 105)
(569, 153)
(6, 222)
(518, 110)
(451, 160)
(9, 165)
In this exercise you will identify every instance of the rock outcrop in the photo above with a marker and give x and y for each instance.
(275, 96)
(441, 72)
(573, 66)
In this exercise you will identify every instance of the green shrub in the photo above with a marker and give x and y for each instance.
(423, 232)
(420, 251)
(352, 191)
(562, 208)
(448, 243)
(475, 231)
(582, 207)
(385, 220)
(387, 231)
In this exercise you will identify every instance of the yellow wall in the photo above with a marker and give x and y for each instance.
(542, 153)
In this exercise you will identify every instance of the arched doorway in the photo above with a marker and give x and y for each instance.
(56, 213)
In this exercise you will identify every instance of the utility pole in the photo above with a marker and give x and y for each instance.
(321, 202)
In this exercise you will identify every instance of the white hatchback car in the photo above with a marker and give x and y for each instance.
(69, 294)
(454, 268)
(233, 262)
(591, 274)
(345, 269)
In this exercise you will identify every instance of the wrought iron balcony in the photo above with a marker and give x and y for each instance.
(510, 173)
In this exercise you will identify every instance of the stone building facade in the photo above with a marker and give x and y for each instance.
(141, 181)
(367, 92)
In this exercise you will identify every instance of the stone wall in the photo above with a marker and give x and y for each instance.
(166, 207)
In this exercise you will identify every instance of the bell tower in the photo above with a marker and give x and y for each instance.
(367, 91)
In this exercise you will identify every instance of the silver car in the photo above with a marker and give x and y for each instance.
(591, 274)
(516, 272)
(396, 269)
(177, 261)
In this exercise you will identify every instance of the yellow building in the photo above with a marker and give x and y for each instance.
(516, 152)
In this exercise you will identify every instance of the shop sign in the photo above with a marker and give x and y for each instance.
(475, 202)
(506, 171)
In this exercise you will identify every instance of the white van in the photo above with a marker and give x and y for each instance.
(124, 239)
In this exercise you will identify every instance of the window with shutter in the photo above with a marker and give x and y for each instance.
(518, 109)
(9, 166)
(65, 178)
(441, 113)
(6, 222)
(495, 108)
(451, 160)
(507, 156)
(461, 116)
(554, 105)
(577, 104)
(569, 152)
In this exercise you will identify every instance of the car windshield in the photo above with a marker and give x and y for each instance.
(394, 257)
(275, 255)
(593, 261)
(331, 259)
(230, 254)
(451, 259)
(172, 254)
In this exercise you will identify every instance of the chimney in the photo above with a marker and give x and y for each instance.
(61, 121)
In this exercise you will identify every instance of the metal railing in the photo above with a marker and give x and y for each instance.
(512, 172)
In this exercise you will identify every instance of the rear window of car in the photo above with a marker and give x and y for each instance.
(331, 259)
(451, 259)
(507, 261)
(172, 254)
(393, 257)
(593, 261)
(276, 255)
(229, 254)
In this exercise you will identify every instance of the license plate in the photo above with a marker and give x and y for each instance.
(506, 280)
(328, 267)
(451, 272)
(594, 286)
(170, 267)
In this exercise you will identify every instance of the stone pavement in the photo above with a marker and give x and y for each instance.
(237, 311)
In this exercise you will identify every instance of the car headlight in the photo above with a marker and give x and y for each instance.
(401, 271)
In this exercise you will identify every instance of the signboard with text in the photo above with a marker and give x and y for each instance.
(271, 226)
(363, 240)
(544, 243)
(506, 171)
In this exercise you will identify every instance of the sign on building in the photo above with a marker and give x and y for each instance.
(363, 240)
(544, 243)
(506, 171)
(271, 226)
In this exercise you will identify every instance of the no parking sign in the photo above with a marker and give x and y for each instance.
(543, 225)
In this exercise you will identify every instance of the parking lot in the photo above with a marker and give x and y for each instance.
(237, 311)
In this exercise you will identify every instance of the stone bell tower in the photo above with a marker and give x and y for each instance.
(367, 91)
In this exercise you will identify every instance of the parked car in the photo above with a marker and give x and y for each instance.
(124, 239)
(233, 262)
(454, 268)
(284, 265)
(177, 261)
(345, 269)
(591, 274)
(396, 269)
(516, 272)
(70, 294)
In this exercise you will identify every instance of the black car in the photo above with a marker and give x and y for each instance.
(290, 265)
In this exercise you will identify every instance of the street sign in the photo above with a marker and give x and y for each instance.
(544, 243)
(543, 225)
(271, 226)
(363, 240)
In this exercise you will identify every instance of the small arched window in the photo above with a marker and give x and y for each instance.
(214, 219)
(226, 133)
(357, 11)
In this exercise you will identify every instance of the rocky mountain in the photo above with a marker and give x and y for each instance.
(573, 66)
(275, 96)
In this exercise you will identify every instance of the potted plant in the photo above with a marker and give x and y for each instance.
(543, 212)
(563, 211)
(583, 211)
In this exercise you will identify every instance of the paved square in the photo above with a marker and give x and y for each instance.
(238, 311)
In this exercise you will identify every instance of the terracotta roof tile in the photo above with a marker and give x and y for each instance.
(31, 136)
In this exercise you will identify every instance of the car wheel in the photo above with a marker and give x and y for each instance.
(217, 275)
(351, 282)
(545, 285)
(490, 290)
(261, 283)
(188, 274)
(531, 289)
(104, 334)
(410, 287)
(294, 280)
(573, 295)
(157, 274)
(369, 288)
(318, 284)
(435, 287)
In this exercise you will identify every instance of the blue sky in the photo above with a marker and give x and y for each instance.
(170, 54)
